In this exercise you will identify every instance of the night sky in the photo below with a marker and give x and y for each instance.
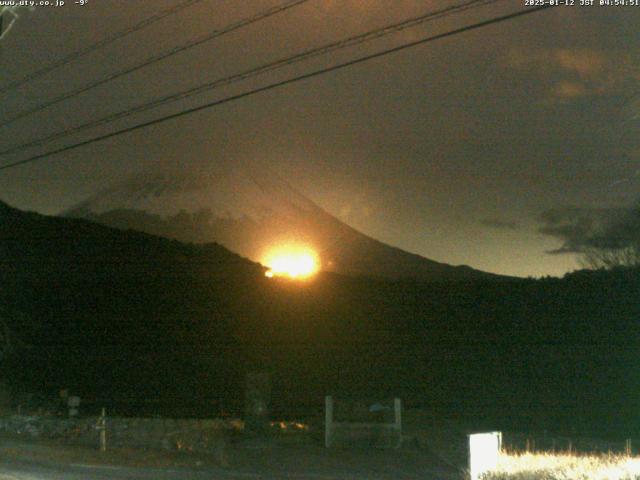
(496, 148)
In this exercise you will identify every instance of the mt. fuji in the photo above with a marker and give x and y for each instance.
(251, 213)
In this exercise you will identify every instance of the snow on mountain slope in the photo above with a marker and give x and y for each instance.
(251, 212)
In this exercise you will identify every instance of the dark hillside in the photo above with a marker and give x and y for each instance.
(127, 317)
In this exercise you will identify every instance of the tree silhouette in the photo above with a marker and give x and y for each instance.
(616, 246)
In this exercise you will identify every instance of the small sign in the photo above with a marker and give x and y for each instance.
(484, 450)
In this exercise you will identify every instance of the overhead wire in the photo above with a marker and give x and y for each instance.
(98, 45)
(279, 84)
(265, 68)
(157, 58)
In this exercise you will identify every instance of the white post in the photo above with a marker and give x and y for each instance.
(484, 450)
(328, 420)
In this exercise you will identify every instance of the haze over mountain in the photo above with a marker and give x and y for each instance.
(250, 212)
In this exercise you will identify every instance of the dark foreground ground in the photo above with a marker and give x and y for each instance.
(22, 459)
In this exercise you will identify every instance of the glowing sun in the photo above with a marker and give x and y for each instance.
(292, 262)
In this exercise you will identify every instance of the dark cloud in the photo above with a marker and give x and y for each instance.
(580, 229)
(500, 224)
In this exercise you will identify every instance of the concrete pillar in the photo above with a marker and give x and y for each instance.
(73, 402)
(257, 401)
(328, 420)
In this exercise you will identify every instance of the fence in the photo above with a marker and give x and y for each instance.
(354, 425)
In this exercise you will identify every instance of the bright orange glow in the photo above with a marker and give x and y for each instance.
(292, 262)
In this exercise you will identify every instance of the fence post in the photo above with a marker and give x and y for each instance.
(627, 447)
(101, 425)
(397, 416)
(328, 420)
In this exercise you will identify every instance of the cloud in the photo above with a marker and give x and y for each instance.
(566, 89)
(584, 62)
(583, 228)
(357, 209)
(499, 224)
(572, 73)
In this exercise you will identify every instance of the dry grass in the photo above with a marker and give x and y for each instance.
(558, 466)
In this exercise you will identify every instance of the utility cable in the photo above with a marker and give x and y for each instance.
(281, 83)
(280, 63)
(98, 45)
(156, 58)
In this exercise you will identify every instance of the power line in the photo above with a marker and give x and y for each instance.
(279, 84)
(277, 64)
(98, 45)
(161, 56)
(12, 12)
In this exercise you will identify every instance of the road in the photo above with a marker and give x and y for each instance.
(11, 469)
(36, 461)
(14, 470)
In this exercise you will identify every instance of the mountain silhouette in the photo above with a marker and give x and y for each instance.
(250, 212)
